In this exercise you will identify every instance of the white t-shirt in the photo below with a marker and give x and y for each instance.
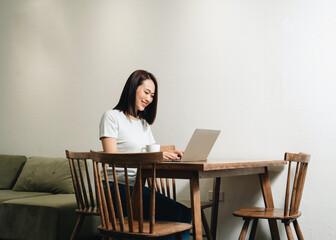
(132, 135)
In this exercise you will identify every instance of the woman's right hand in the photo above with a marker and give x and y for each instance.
(170, 155)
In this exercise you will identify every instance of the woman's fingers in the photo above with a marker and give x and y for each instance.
(165, 156)
(170, 155)
(179, 152)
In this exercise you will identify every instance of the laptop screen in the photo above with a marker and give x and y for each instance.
(200, 145)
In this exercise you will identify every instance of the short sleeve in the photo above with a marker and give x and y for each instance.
(109, 126)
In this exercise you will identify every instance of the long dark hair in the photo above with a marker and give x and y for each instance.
(127, 99)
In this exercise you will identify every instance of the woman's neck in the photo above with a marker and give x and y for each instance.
(132, 117)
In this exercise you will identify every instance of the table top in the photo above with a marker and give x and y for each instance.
(219, 164)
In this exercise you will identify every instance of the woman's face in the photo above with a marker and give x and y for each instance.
(144, 95)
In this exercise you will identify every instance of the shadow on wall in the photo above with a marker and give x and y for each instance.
(241, 192)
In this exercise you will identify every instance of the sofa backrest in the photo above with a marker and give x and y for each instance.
(44, 174)
(10, 169)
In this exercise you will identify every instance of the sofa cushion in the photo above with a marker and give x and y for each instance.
(10, 194)
(10, 168)
(51, 217)
(41, 174)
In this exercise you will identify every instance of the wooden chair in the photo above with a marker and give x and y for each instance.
(290, 212)
(114, 223)
(167, 187)
(81, 172)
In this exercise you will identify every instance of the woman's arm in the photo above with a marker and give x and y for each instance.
(109, 144)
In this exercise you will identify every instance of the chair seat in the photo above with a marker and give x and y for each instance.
(204, 204)
(266, 213)
(162, 228)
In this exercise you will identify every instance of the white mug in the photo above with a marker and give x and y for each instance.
(151, 148)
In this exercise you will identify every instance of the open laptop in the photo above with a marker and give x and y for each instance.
(200, 145)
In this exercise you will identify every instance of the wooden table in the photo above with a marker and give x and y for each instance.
(194, 171)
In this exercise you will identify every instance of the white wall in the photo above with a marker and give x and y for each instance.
(261, 71)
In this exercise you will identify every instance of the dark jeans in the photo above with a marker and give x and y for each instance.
(166, 209)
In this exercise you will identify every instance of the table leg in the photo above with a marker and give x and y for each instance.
(214, 209)
(268, 199)
(196, 207)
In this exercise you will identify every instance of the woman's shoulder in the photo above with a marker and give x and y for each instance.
(113, 113)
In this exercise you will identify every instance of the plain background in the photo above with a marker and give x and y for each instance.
(262, 71)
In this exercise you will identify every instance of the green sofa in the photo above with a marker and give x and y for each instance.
(37, 200)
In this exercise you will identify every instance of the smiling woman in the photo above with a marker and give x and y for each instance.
(139, 84)
(126, 128)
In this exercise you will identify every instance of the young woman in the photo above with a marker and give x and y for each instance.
(126, 128)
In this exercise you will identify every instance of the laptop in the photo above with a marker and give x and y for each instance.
(200, 145)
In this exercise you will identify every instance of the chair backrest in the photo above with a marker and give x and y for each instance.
(113, 219)
(301, 160)
(166, 186)
(83, 180)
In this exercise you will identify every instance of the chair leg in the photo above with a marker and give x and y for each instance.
(244, 229)
(298, 230)
(289, 231)
(78, 226)
(193, 233)
(254, 229)
(206, 226)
